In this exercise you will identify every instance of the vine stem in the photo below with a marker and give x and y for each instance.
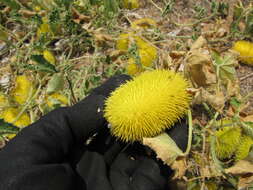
(189, 134)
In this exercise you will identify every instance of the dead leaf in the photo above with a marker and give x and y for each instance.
(100, 38)
(199, 69)
(27, 13)
(214, 31)
(199, 43)
(6, 10)
(180, 167)
(177, 54)
(217, 100)
(233, 88)
(241, 26)
(221, 32)
(78, 17)
(198, 65)
(115, 54)
(243, 169)
(230, 112)
(245, 181)
(165, 148)
(166, 61)
(248, 118)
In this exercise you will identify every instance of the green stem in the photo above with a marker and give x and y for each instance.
(197, 22)
(189, 134)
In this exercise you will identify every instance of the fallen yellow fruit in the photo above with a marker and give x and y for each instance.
(245, 49)
(56, 98)
(133, 68)
(131, 4)
(143, 23)
(10, 115)
(23, 89)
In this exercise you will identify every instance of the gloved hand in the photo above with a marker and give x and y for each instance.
(52, 154)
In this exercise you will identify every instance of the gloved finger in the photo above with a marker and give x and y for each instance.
(110, 85)
(40, 177)
(75, 154)
(101, 142)
(86, 118)
(129, 157)
(113, 152)
(121, 171)
(179, 133)
(125, 165)
(148, 176)
(93, 171)
(106, 145)
(127, 173)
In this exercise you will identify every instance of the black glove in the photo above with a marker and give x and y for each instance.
(50, 154)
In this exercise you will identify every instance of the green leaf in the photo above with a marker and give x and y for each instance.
(43, 64)
(6, 128)
(111, 6)
(12, 4)
(224, 66)
(55, 84)
(227, 72)
(217, 58)
(235, 103)
(249, 23)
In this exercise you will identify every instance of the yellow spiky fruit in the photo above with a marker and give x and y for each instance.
(245, 49)
(23, 89)
(10, 115)
(143, 23)
(147, 105)
(227, 139)
(243, 148)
